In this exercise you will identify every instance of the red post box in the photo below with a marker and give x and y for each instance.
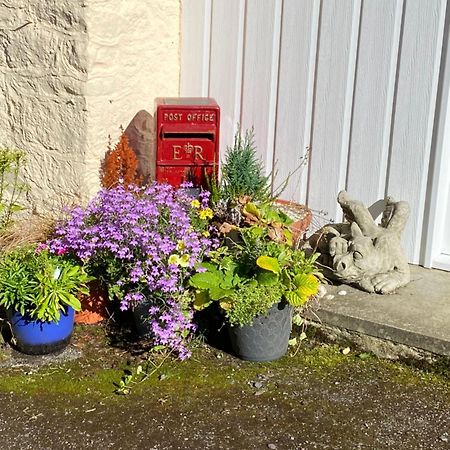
(187, 131)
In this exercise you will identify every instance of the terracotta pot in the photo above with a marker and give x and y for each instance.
(300, 214)
(94, 305)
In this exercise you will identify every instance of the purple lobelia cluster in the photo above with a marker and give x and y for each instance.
(139, 241)
(171, 326)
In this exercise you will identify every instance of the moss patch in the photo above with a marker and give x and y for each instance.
(209, 371)
(313, 395)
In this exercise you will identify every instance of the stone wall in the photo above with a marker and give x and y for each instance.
(133, 58)
(71, 73)
(43, 74)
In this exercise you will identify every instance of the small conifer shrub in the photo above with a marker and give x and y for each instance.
(242, 171)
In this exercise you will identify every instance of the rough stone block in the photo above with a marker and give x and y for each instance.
(71, 73)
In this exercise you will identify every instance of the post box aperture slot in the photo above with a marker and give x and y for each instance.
(186, 135)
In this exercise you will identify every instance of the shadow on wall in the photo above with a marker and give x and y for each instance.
(142, 139)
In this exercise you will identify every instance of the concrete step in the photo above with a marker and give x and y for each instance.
(417, 315)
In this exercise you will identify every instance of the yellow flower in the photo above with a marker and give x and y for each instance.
(205, 213)
(174, 259)
(184, 261)
(195, 203)
(205, 233)
(181, 245)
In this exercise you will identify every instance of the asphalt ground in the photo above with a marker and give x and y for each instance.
(318, 396)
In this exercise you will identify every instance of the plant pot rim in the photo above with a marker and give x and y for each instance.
(299, 213)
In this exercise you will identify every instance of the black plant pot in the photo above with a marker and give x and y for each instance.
(212, 327)
(141, 318)
(267, 338)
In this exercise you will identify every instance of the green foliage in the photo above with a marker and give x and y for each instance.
(212, 185)
(302, 287)
(240, 296)
(257, 265)
(11, 188)
(301, 278)
(252, 273)
(251, 300)
(40, 284)
(220, 280)
(131, 378)
(268, 263)
(265, 213)
(242, 172)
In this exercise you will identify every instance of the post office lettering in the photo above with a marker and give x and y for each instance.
(173, 117)
(201, 117)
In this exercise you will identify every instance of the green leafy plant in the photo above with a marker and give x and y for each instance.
(240, 295)
(257, 265)
(243, 172)
(252, 273)
(132, 377)
(212, 186)
(251, 300)
(11, 188)
(40, 284)
(129, 379)
(266, 215)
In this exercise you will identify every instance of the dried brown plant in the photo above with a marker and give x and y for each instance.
(29, 230)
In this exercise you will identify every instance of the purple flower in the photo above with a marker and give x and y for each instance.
(127, 237)
(40, 247)
(172, 327)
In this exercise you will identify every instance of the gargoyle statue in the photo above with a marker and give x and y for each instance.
(361, 252)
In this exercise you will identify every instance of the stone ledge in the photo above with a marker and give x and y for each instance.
(417, 316)
(382, 348)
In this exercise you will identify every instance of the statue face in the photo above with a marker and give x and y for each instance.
(360, 261)
(357, 257)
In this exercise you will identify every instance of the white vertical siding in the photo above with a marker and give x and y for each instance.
(335, 74)
(225, 83)
(436, 238)
(260, 74)
(354, 80)
(295, 94)
(373, 98)
(412, 125)
(446, 236)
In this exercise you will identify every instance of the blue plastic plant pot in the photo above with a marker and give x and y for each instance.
(36, 337)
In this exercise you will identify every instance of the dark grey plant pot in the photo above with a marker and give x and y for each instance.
(267, 338)
(142, 319)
